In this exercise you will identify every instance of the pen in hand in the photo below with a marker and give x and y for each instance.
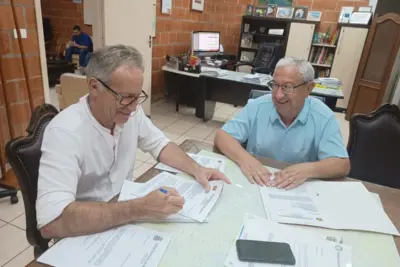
(164, 191)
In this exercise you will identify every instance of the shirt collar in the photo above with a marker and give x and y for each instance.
(84, 101)
(302, 117)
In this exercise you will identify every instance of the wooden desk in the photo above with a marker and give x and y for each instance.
(389, 196)
(202, 91)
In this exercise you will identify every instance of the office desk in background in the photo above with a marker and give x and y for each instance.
(203, 91)
(208, 244)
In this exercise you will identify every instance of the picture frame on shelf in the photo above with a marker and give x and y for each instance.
(365, 9)
(345, 14)
(314, 15)
(284, 12)
(198, 5)
(249, 10)
(360, 18)
(271, 10)
(260, 11)
(300, 12)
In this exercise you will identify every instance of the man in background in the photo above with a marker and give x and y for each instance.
(80, 44)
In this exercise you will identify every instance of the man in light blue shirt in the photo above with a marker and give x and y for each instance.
(287, 125)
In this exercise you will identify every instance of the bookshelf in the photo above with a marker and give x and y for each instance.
(256, 31)
(322, 53)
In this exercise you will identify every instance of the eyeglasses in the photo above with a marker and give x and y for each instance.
(126, 100)
(286, 88)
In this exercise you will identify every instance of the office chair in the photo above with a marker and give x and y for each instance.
(374, 145)
(266, 59)
(9, 191)
(24, 156)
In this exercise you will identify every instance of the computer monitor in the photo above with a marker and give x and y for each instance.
(205, 42)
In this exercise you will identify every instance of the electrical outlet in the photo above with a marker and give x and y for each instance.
(23, 33)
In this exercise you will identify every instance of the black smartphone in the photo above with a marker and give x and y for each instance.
(264, 252)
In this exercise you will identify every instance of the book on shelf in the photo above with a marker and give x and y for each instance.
(247, 41)
(321, 55)
(323, 73)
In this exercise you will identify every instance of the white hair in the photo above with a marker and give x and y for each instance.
(303, 66)
(104, 61)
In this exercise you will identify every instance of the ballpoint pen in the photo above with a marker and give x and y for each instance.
(163, 191)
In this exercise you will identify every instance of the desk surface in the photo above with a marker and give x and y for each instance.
(235, 76)
(208, 244)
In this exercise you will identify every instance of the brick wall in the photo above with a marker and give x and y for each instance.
(21, 87)
(64, 14)
(14, 90)
(173, 31)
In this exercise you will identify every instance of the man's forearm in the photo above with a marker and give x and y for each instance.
(172, 155)
(230, 147)
(82, 218)
(331, 168)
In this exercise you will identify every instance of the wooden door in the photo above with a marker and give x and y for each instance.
(376, 65)
(131, 23)
(300, 39)
(347, 58)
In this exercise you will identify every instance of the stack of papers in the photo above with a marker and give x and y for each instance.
(308, 250)
(257, 78)
(213, 71)
(328, 83)
(198, 203)
(204, 161)
(128, 245)
(335, 205)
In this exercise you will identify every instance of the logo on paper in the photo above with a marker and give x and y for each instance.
(338, 248)
(319, 219)
(214, 188)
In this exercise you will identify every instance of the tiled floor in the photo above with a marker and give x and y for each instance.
(14, 248)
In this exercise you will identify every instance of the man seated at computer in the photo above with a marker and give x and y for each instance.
(287, 125)
(89, 149)
(80, 44)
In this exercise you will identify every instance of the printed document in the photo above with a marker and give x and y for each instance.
(336, 205)
(131, 190)
(309, 251)
(125, 246)
(198, 203)
(205, 161)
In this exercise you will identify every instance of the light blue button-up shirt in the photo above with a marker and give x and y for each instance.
(313, 136)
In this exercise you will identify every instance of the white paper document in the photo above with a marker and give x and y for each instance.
(309, 251)
(205, 161)
(198, 203)
(125, 246)
(335, 205)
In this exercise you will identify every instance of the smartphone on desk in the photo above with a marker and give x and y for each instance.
(264, 252)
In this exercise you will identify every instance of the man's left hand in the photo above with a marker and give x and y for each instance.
(292, 176)
(204, 175)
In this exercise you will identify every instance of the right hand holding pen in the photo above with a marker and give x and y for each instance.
(256, 172)
(163, 202)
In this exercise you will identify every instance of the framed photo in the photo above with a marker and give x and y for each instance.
(365, 9)
(314, 15)
(260, 11)
(284, 12)
(249, 10)
(271, 10)
(300, 12)
(198, 5)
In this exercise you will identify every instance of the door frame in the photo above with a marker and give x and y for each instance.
(42, 51)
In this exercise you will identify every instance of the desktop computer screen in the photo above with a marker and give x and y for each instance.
(205, 42)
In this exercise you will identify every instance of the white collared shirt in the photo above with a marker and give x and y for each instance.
(82, 161)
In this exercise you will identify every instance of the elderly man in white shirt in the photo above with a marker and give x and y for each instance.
(89, 149)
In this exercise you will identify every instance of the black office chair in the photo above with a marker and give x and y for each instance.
(374, 146)
(24, 156)
(266, 59)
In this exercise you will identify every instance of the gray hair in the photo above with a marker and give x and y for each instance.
(106, 60)
(303, 66)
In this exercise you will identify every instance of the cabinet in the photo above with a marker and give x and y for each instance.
(347, 58)
(300, 39)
